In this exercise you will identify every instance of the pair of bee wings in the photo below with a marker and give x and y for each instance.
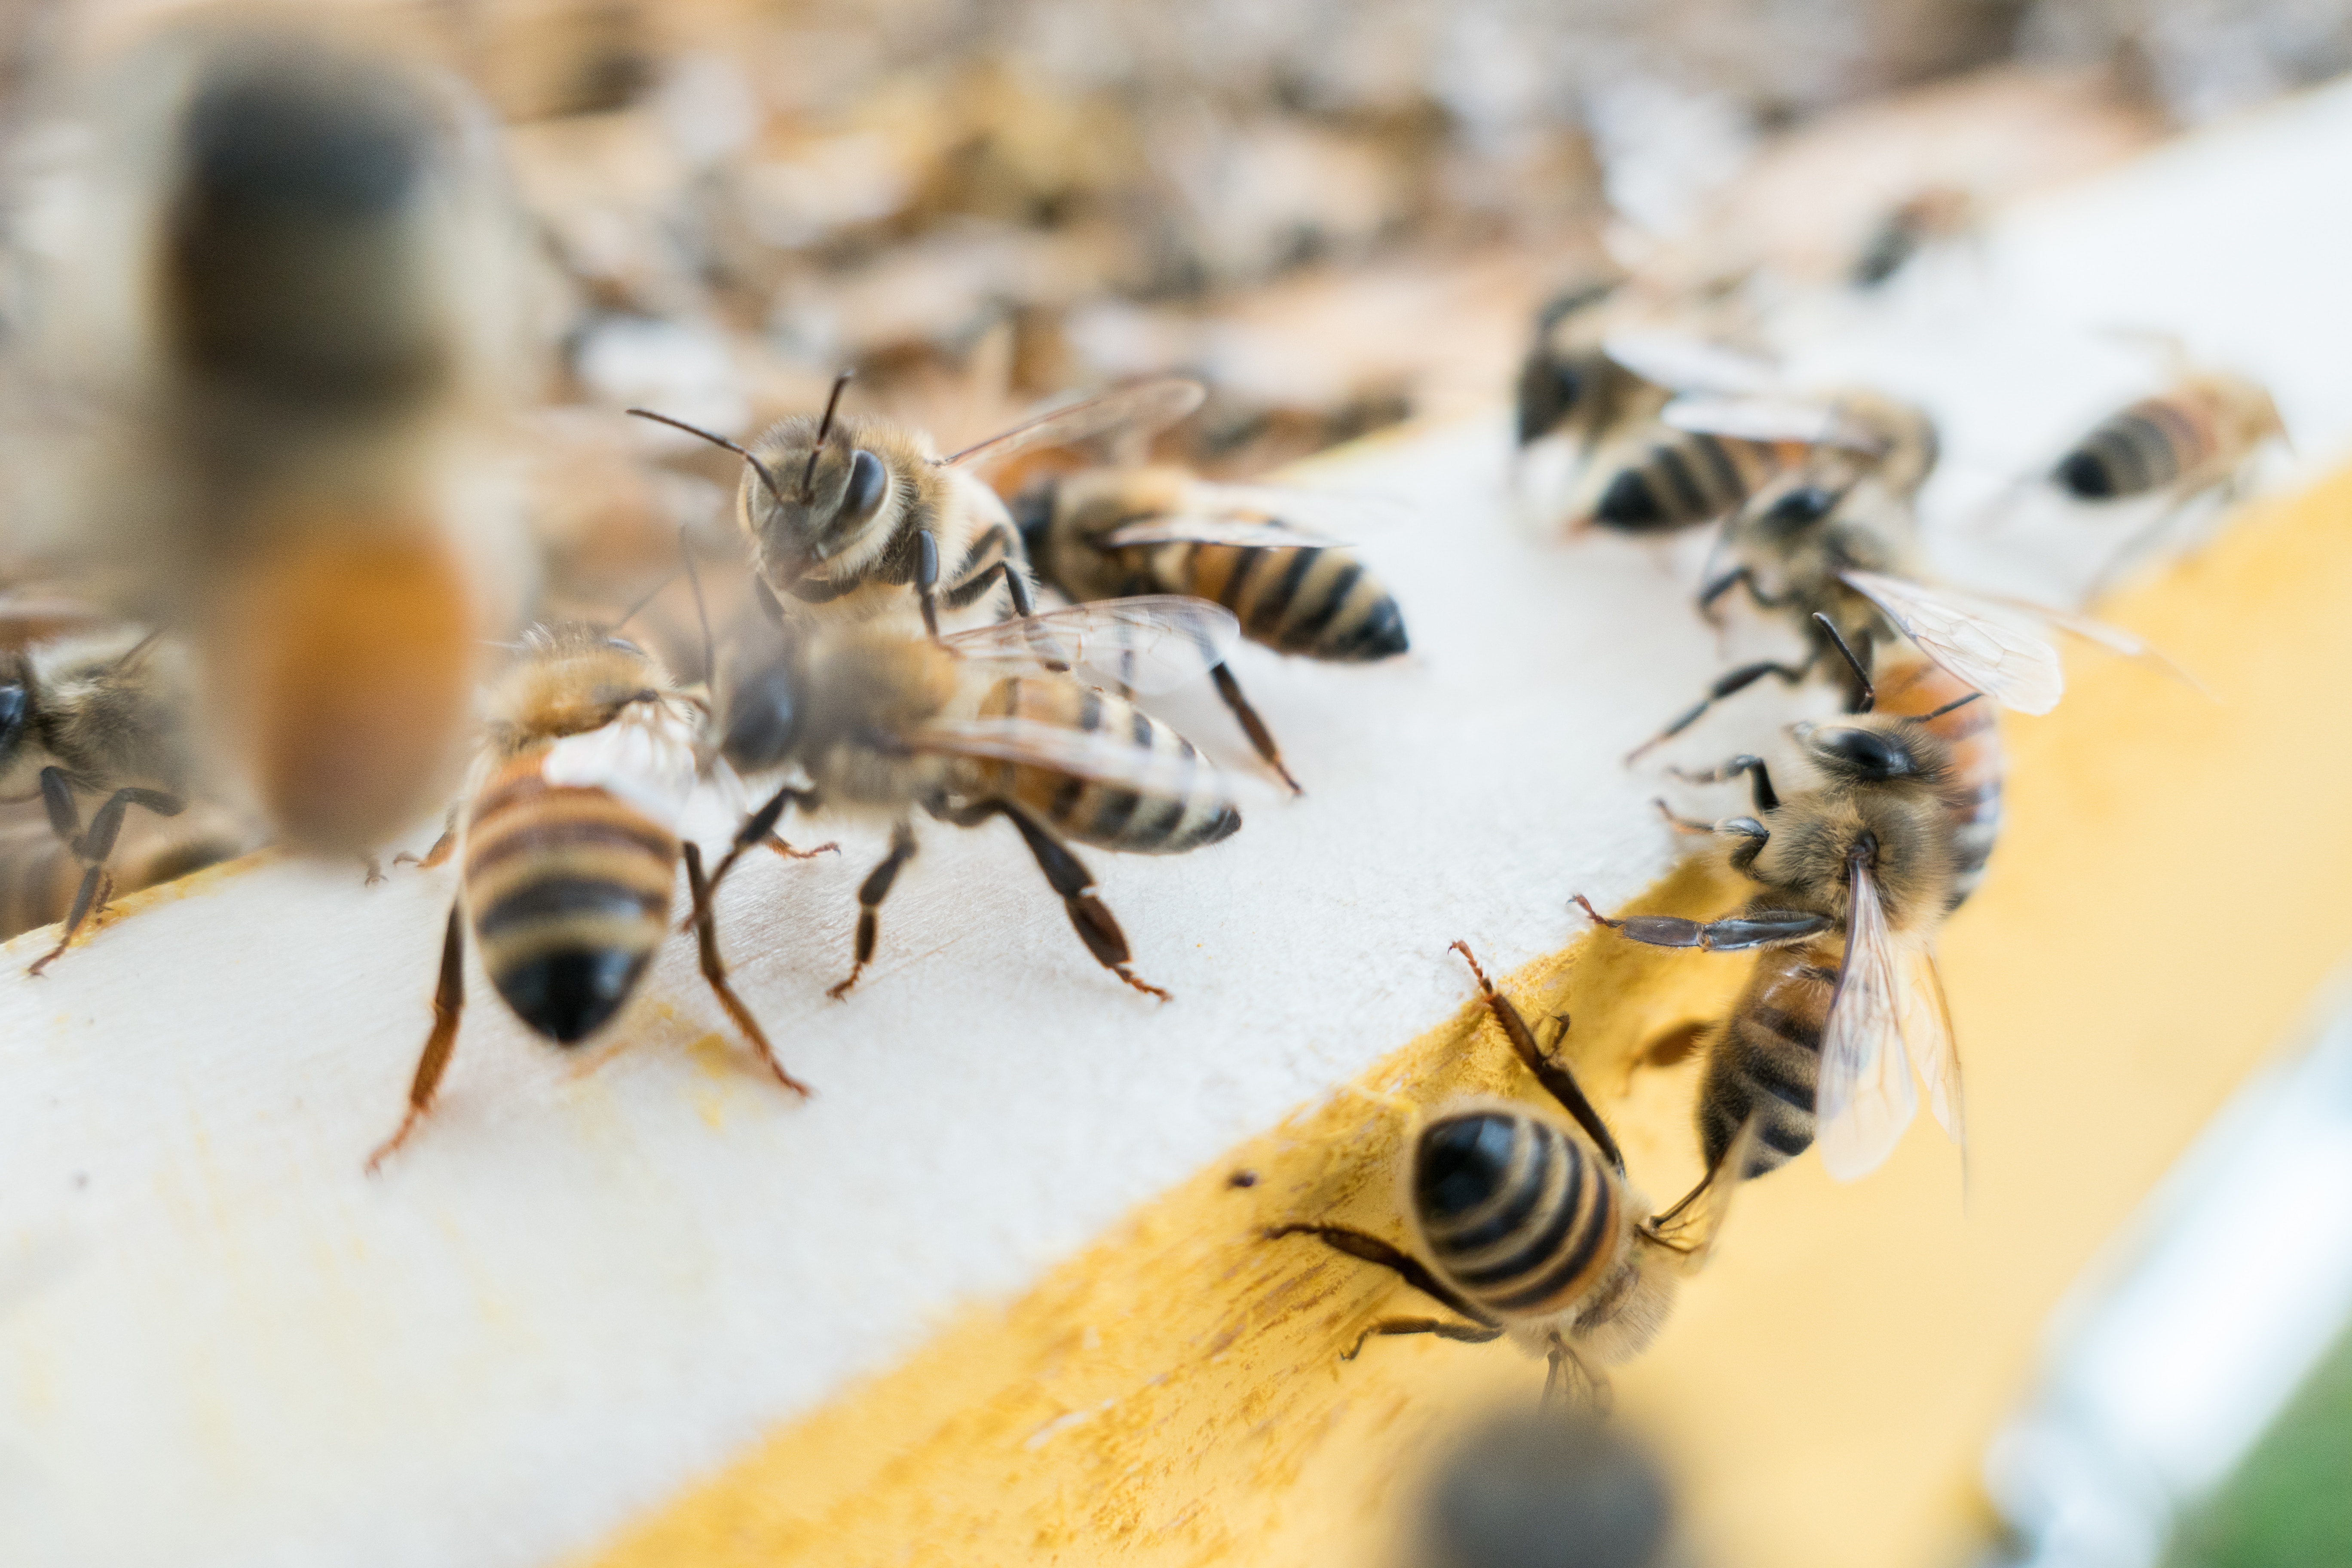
(1722, 392)
(1981, 641)
(1152, 643)
(1144, 406)
(1886, 1017)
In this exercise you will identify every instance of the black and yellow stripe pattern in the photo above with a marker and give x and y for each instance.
(1663, 478)
(2143, 449)
(569, 892)
(1767, 1060)
(1106, 815)
(1518, 1214)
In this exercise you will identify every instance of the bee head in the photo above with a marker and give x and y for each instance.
(817, 495)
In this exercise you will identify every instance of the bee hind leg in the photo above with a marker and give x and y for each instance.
(1252, 725)
(1371, 1249)
(714, 970)
(92, 847)
(448, 1006)
(1068, 876)
(870, 894)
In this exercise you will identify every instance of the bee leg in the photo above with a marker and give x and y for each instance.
(372, 867)
(1553, 1074)
(789, 853)
(92, 847)
(448, 1004)
(441, 846)
(1259, 735)
(1564, 1370)
(1008, 562)
(1730, 684)
(714, 970)
(1738, 577)
(1068, 876)
(1739, 933)
(1682, 824)
(1404, 1266)
(927, 580)
(870, 894)
(1466, 1333)
(1767, 799)
(758, 828)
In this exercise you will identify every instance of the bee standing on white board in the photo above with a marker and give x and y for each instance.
(41, 875)
(286, 280)
(1111, 533)
(2195, 437)
(1523, 1224)
(1858, 875)
(105, 714)
(1569, 387)
(988, 723)
(844, 514)
(568, 849)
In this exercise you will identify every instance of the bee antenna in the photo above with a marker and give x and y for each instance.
(1947, 707)
(1869, 692)
(759, 468)
(654, 593)
(824, 428)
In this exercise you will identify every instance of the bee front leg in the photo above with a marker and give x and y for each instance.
(1007, 561)
(448, 1006)
(92, 847)
(1766, 798)
(1739, 933)
(870, 894)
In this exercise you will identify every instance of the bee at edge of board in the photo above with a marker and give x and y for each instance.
(568, 849)
(1856, 874)
(1113, 533)
(988, 721)
(1528, 1228)
(846, 514)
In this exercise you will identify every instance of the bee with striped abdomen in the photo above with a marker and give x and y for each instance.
(285, 265)
(568, 846)
(1112, 533)
(1569, 387)
(2196, 436)
(1523, 1224)
(845, 513)
(1858, 872)
(990, 722)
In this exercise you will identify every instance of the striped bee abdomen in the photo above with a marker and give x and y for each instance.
(1766, 1059)
(569, 892)
(2144, 447)
(1320, 603)
(1155, 822)
(1519, 1215)
(1973, 733)
(1666, 479)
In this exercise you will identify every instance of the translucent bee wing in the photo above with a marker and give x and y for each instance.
(1928, 1035)
(1696, 1224)
(2011, 666)
(1154, 642)
(1146, 406)
(1097, 755)
(1188, 528)
(1691, 365)
(1865, 1098)
(1765, 419)
(2111, 637)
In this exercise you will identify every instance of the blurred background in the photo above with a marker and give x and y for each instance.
(1343, 217)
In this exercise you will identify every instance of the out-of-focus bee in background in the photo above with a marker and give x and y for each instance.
(989, 722)
(1523, 1224)
(568, 849)
(110, 715)
(844, 513)
(1547, 1489)
(1857, 872)
(1111, 533)
(266, 335)
(1924, 218)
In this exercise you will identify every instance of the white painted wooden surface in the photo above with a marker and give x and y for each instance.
(593, 1279)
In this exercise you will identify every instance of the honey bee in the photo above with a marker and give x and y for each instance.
(1858, 873)
(2195, 437)
(990, 722)
(568, 847)
(843, 512)
(106, 714)
(286, 283)
(1524, 1225)
(1109, 534)
(1569, 386)
(41, 877)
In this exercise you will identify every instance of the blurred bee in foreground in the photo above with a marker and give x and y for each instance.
(1833, 547)
(1858, 874)
(988, 723)
(286, 277)
(1938, 213)
(568, 849)
(843, 512)
(106, 714)
(1549, 1488)
(1112, 533)
(1528, 1228)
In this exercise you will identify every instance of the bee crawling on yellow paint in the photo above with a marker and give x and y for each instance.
(1523, 1224)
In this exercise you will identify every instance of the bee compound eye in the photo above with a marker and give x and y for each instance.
(1870, 753)
(869, 482)
(1806, 504)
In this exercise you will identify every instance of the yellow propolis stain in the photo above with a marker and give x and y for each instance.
(2167, 899)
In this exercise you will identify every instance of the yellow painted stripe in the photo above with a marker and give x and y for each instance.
(2169, 892)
